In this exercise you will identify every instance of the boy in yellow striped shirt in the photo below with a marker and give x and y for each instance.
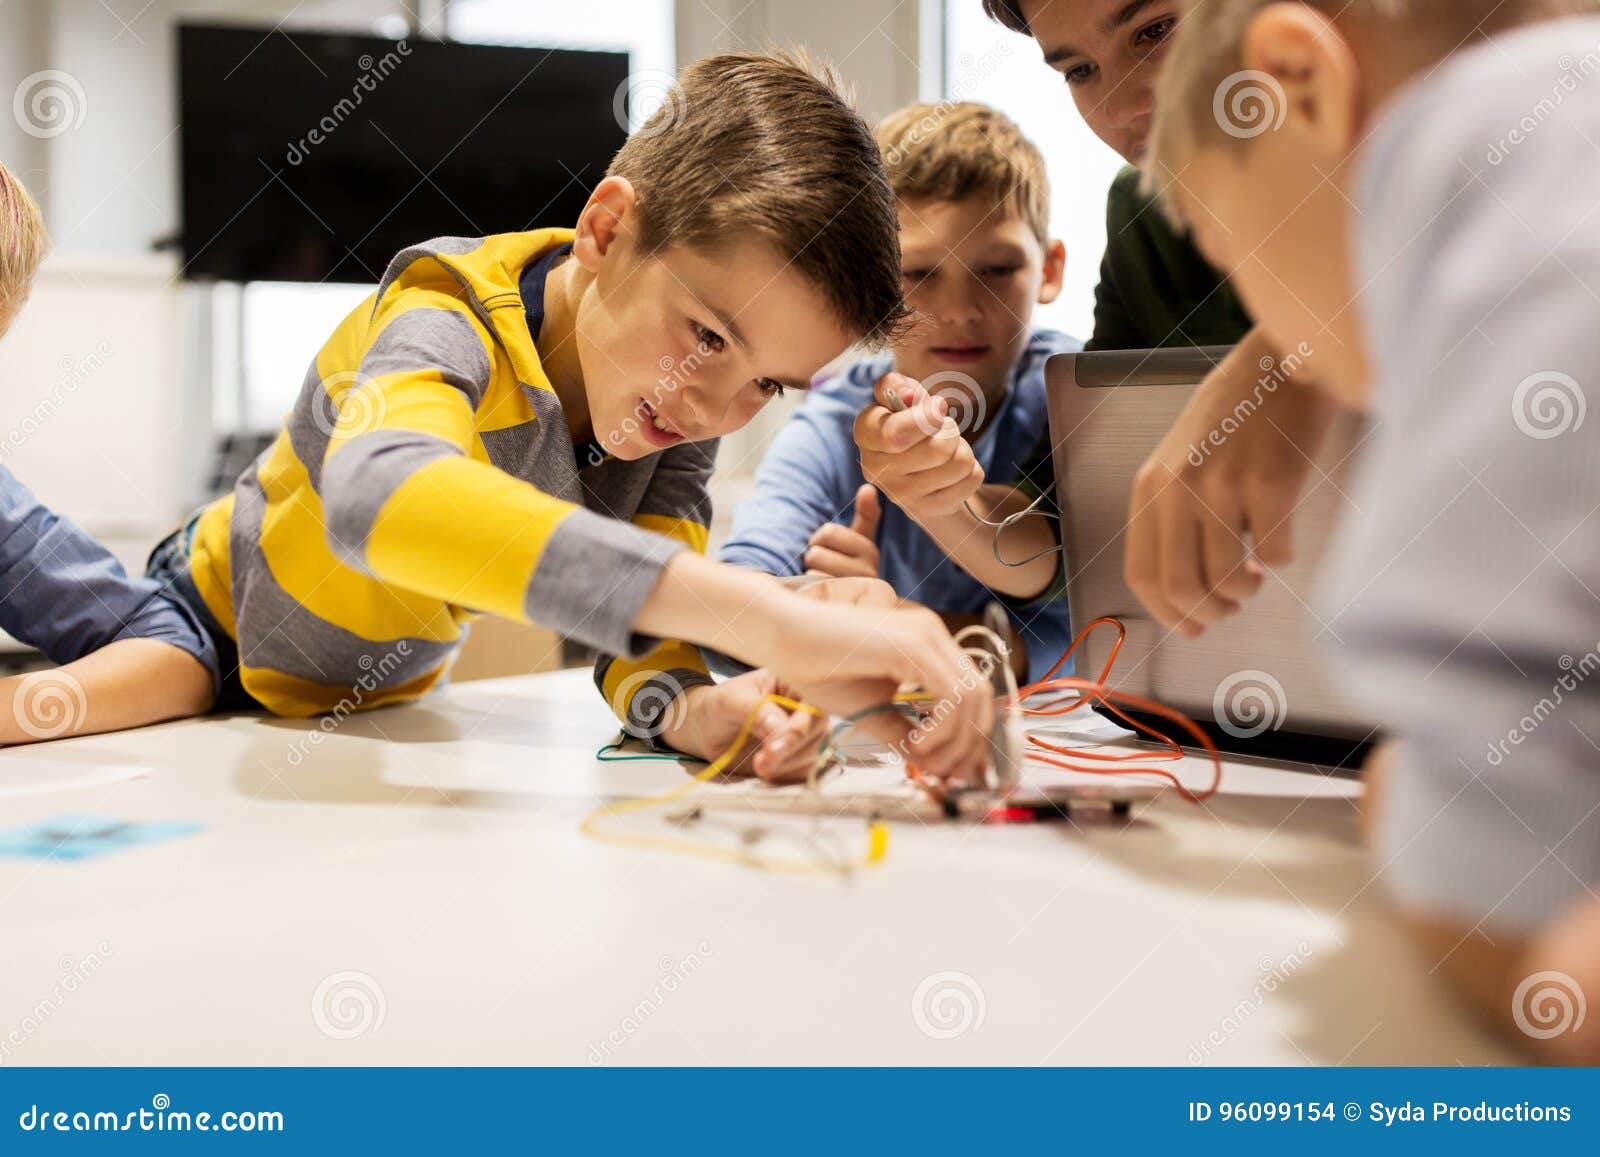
(524, 424)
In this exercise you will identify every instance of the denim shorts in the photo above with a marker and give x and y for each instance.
(169, 565)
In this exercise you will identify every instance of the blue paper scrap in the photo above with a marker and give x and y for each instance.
(72, 837)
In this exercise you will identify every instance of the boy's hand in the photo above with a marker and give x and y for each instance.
(844, 644)
(848, 551)
(783, 746)
(837, 658)
(1201, 497)
(917, 457)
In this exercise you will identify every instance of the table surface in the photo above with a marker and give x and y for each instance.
(411, 887)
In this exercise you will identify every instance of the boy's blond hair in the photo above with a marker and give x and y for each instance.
(766, 144)
(1206, 97)
(952, 151)
(23, 243)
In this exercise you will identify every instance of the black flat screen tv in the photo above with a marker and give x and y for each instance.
(316, 157)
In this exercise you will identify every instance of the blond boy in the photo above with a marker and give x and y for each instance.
(1346, 163)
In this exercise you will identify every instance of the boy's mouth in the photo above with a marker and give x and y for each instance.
(960, 354)
(657, 429)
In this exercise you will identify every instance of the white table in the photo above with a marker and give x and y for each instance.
(433, 852)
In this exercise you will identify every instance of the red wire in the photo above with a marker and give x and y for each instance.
(1096, 690)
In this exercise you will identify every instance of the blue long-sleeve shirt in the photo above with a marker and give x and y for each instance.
(65, 594)
(812, 471)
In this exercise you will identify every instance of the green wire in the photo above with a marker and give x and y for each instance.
(616, 745)
(847, 723)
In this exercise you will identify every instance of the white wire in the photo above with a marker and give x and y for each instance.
(1006, 524)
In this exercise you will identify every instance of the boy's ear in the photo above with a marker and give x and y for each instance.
(1307, 54)
(601, 222)
(1055, 271)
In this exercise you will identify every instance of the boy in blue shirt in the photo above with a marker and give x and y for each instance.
(131, 654)
(977, 256)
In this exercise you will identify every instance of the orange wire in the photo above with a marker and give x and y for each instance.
(1095, 690)
(1099, 691)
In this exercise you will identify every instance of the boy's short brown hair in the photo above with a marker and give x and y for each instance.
(23, 244)
(767, 144)
(1206, 98)
(952, 151)
(1007, 12)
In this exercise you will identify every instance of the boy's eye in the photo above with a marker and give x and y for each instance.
(709, 338)
(1152, 34)
(1079, 74)
(915, 275)
(1000, 270)
(770, 388)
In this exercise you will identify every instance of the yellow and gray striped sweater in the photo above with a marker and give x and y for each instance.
(426, 475)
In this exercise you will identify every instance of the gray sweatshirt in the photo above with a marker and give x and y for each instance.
(1467, 592)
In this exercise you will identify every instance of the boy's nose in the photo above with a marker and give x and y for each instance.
(965, 306)
(1134, 102)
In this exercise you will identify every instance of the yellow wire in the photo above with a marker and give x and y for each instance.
(877, 831)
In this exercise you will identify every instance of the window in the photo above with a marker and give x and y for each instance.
(988, 63)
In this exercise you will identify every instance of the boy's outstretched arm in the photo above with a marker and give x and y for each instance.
(918, 458)
(128, 683)
(404, 502)
(127, 654)
(839, 646)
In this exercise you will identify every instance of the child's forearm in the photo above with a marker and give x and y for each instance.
(728, 608)
(128, 683)
(972, 543)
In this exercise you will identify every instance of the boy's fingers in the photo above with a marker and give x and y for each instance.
(1181, 580)
(869, 511)
(793, 751)
(1270, 516)
(836, 564)
(1224, 562)
(900, 432)
(844, 539)
(908, 391)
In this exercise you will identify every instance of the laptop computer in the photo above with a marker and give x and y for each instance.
(1257, 683)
